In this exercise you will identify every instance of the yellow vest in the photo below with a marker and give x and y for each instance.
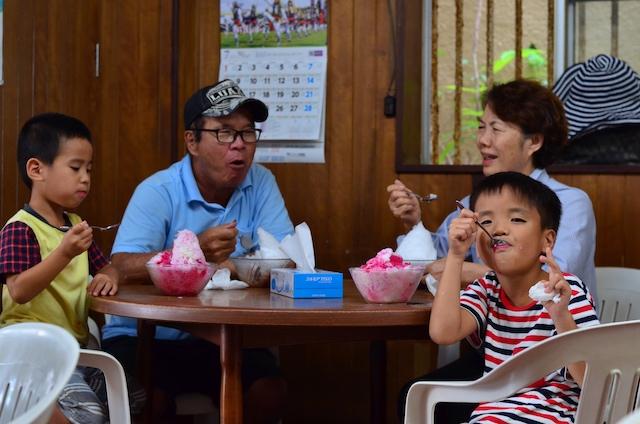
(64, 302)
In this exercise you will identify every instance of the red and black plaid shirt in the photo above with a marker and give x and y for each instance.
(19, 251)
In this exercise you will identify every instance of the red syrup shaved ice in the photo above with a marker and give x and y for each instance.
(182, 271)
(386, 278)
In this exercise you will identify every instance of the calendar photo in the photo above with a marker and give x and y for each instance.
(276, 23)
(276, 51)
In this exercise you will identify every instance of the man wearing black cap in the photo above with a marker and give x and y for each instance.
(218, 193)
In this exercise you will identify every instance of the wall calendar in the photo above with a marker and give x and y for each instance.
(277, 53)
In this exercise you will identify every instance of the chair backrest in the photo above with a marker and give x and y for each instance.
(632, 418)
(36, 361)
(117, 392)
(609, 390)
(618, 294)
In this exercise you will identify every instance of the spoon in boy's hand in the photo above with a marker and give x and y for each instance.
(95, 227)
(493, 241)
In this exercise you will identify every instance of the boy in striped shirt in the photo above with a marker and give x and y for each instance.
(522, 215)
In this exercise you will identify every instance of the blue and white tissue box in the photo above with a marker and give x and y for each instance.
(283, 302)
(298, 284)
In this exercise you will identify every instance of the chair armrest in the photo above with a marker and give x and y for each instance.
(117, 393)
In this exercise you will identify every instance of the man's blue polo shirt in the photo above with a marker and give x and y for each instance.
(169, 201)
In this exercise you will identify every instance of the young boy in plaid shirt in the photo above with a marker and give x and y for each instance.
(47, 253)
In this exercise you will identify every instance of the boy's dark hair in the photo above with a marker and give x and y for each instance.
(40, 138)
(535, 109)
(531, 191)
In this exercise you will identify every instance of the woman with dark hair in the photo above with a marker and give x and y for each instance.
(523, 129)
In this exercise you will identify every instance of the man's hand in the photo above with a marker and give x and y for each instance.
(218, 243)
(76, 240)
(403, 205)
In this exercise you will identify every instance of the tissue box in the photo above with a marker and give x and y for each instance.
(282, 302)
(297, 284)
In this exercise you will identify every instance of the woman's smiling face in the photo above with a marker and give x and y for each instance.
(503, 145)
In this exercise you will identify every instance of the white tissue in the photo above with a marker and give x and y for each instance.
(269, 246)
(221, 280)
(417, 244)
(432, 284)
(299, 247)
(537, 292)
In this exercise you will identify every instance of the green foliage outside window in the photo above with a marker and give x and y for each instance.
(534, 66)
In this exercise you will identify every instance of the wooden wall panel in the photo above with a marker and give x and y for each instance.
(49, 65)
(16, 98)
(136, 119)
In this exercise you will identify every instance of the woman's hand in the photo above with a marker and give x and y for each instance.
(403, 204)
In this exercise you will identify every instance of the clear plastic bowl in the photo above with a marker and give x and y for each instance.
(180, 280)
(420, 262)
(388, 286)
(257, 271)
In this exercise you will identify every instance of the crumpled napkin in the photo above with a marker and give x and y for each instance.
(299, 247)
(269, 246)
(536, 292)
(417, 244)
(432, 284)
(221, 280)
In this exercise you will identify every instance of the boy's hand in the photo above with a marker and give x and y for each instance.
(76, 240)
(102, 285)
(557, 283)
(462, 233)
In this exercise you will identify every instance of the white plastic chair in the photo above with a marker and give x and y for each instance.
(632, 418)
(618, 294)
(610, 387)
(117, 393)
(36, 361)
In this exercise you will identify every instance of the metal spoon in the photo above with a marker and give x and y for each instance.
(493, 240)
(95, 227)
(247, 243)
(428, 198)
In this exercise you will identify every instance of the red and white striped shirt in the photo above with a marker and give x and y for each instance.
(505, 330)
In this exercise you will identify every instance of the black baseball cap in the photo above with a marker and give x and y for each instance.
(222, 99)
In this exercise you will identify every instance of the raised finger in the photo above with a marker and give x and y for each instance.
(550, 261)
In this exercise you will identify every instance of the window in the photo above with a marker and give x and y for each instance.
(472, 44)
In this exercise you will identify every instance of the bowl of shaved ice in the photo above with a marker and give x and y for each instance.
(256, 271)
(183, 270)
(387, 278)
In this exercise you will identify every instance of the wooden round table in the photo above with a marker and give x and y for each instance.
(254, 317)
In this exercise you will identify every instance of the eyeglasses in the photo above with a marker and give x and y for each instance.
(228, 136)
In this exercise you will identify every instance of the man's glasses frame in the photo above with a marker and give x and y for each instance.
(229, 135)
